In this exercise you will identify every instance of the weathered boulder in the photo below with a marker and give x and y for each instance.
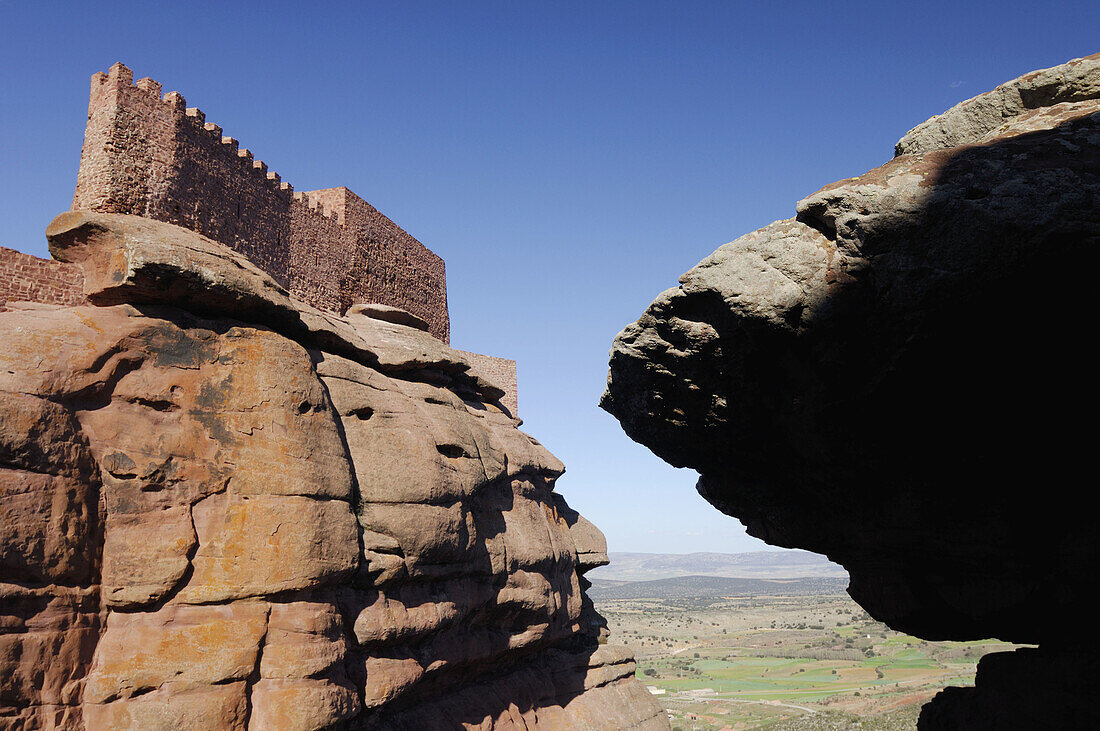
(892, 377)
(224, 509)
(983, 116)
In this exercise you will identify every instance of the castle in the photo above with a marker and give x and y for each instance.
(150, 155)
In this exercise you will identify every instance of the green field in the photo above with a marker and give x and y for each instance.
(788, 662)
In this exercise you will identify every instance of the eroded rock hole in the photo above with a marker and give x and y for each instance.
(453, 451)
(363, 413)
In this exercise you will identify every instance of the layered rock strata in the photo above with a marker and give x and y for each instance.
(224, 509)
(892, 377)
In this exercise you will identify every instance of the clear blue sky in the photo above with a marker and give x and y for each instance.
(569, 160)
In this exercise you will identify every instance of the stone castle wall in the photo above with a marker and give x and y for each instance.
(381, 260)
(28, 278)
(500, 372)
(151, 156)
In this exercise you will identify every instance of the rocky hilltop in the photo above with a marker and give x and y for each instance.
(224, 509)
(895, 378)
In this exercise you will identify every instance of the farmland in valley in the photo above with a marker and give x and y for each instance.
(777, 653)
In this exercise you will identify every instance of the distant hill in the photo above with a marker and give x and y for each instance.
(714, 587)
(789, 564)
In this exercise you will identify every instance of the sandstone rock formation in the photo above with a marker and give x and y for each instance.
(895, 378)
(221, 508)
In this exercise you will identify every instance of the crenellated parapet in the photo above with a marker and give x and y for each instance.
(148, 154)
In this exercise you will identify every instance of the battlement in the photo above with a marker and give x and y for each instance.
(150, 155)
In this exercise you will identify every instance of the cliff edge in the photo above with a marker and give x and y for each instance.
(225, 509)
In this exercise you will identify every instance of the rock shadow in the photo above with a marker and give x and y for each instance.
(915, 412)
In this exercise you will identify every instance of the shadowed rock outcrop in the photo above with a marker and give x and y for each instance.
(224, 509)
(895, 378)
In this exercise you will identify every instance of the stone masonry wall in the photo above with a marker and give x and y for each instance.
(381, 258)
(500, 372)
(24, 277)
(151, 156)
